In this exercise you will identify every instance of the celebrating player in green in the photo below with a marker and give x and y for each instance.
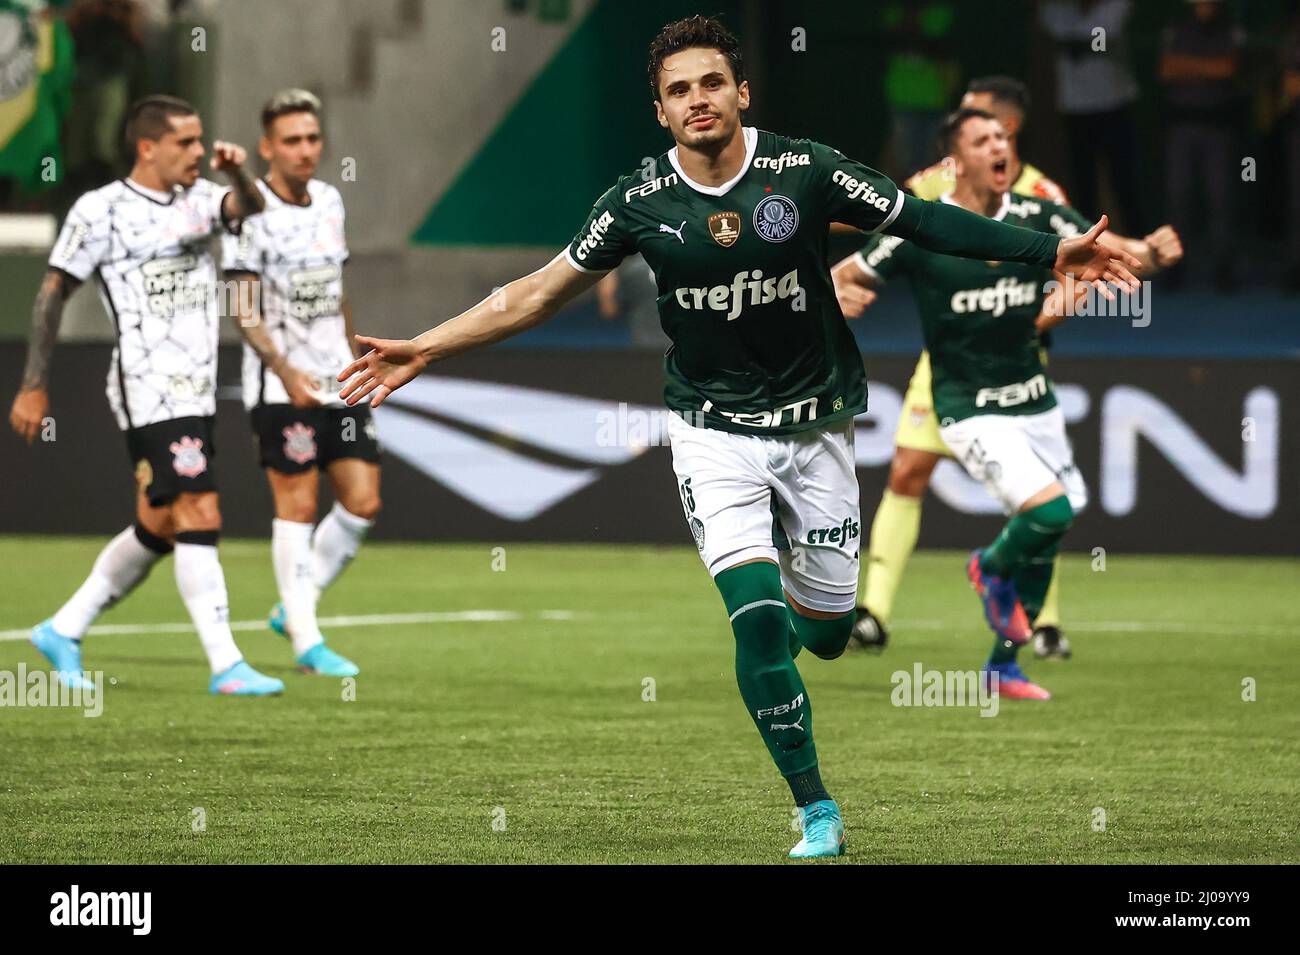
(995, 404)
(763, 373)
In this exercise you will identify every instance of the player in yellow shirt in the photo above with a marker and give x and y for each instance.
(918, 447)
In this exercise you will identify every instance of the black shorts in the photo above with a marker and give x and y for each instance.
(173, 457)
(293, 440)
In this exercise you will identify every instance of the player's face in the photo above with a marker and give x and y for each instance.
(1006, 115)
(699, 101)
(982, 155)
(293, 146)
(175, 157)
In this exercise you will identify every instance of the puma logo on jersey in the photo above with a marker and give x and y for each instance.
(1007, 293)
(671, 231)
(796, 725)
(731, 298)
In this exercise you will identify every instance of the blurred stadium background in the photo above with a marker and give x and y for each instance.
(463, 166)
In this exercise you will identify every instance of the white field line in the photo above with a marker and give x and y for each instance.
(506, 616)
(360, 620)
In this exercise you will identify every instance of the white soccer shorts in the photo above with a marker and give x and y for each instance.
(791, 499)
(1016, 456)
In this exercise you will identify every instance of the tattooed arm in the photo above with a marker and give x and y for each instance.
(301, 387)
(244, 198)
(32, 404)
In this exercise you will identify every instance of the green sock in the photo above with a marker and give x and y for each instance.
(1025, 550)
(825, 638)
(1027, 535)
(769, 682)
(1033, 579)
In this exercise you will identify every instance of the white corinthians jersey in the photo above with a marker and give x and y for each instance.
(298, 252)
(152, 263)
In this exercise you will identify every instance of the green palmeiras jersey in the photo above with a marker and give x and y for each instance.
(759, 345)
(978, 317)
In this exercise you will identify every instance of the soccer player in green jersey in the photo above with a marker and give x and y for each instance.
(996, 405)
(763, 374)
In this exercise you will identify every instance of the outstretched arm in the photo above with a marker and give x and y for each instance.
(951, 230)
(33, 401)
(521, 305)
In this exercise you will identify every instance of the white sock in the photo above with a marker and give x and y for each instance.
(203, 588)
(118, 569)
(292, 557)
(336, 541)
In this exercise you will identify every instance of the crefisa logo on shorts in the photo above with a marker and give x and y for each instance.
(776, 218)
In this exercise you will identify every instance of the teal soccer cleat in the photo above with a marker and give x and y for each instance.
(278, 621)
(64, 655)
(323, 661)
(243, 680)
(823, 831)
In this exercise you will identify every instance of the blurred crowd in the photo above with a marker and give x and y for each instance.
(68, 69)
(1220, 93)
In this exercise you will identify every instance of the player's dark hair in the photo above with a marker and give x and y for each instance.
(693, 31)
(952, 124)
(1003, 89)
(151, 118)
(287, 102)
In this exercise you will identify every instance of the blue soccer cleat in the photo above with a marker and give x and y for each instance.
(1012, 682)
(323, 661)
(64, 655)
(1002, 608)
(823, 831)
(278, 621)
(243, 680)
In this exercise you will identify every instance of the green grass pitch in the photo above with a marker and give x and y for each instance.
(524, 737)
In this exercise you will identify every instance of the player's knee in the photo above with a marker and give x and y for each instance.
(364, 506)
(825, 637)
(909, 472)
(762, 640)
(196, 512)
(299, 507)
(1055, 516)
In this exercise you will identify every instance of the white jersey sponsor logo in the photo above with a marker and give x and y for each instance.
(996, 299)
(149, 255)
(654, 185)
(802, 410)
(298, 253)
(860, 190)
(1017, 393)
(783, 161)
(595, 235)
(731, 298)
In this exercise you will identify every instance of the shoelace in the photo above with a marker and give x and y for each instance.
(817, 823)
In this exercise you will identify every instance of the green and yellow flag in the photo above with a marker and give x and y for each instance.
(36, 70)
